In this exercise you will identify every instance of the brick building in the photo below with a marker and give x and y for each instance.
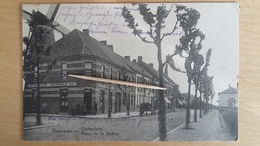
(79, 53)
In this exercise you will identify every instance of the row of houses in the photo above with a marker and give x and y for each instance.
(79, 53)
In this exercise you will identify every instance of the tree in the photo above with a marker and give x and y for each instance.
(208, 92)
(125, 77)
(212, 97)
(198, 75)
(36, 53)
(190, 44)
(156, 22)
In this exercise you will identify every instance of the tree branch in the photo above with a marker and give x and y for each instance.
(167, 34)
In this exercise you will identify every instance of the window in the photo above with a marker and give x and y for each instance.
(124, 99)
(88, 68)
(129, 78)
(110, 73)
(64, 71)
(137, 98)
(103, 71)
(35, 96)
(118, 75)
(231, 102)
(132, 100)
(102, 101)
(35, 73)
(64, 100)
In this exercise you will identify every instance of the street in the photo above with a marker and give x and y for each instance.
(212, 127)
(143, 128)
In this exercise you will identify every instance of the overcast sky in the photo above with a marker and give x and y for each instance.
(218, 21)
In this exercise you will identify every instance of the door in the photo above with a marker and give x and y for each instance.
(231, 102)
(64, 100)
(102, 101)
(118, 102)
(88, 100)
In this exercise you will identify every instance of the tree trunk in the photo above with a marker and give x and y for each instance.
(38, 117)
(204, 106)
(195, 102)
(201, 104)
(161, 110)
(188, 105)
(109, 103)
(127, 103)
(211, 104)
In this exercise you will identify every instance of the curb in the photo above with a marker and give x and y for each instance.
(40, 126)
(84, 116)
(157, 139)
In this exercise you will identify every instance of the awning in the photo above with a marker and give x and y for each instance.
(180, 102)
(167, 100)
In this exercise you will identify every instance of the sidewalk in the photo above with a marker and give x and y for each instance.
(30, 123)
(210, 128)
(113, 115)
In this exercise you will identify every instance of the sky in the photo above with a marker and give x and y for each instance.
(218, 21)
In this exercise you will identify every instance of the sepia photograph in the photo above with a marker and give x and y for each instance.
(130, 72)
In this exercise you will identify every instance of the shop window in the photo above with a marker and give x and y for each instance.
(64, 71)
(88, 68)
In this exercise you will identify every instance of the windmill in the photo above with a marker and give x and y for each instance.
(47, 21)
(40, 37)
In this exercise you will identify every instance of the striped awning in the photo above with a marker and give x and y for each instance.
(180, 102)
(167, 100)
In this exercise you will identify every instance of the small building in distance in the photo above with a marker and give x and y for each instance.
(228, 97)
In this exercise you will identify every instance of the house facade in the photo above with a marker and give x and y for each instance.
(80, 54)
(228, 97)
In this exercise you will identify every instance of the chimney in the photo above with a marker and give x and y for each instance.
(140, 59)
(86, 32)
(111, 47)
(127, 57)
(103, 42)
(134, 60)
(151, 64)
(229, 85)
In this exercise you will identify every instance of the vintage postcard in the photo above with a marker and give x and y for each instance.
(130, 72)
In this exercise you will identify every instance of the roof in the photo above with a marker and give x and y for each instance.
(78, 43)
(230, 90)
(155, 73)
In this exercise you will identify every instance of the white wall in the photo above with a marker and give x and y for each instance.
(223, 99)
